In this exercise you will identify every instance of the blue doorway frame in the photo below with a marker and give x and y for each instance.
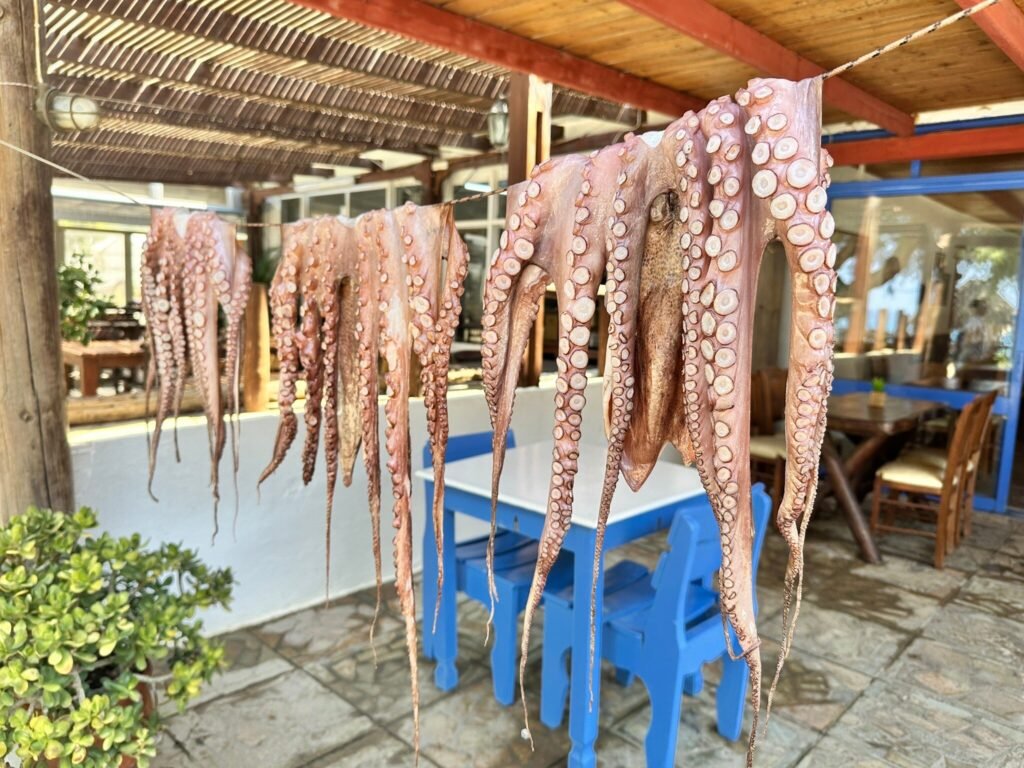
(1007, 405)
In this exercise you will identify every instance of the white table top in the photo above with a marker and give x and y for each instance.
(527, 474)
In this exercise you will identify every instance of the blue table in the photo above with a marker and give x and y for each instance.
(521, 505)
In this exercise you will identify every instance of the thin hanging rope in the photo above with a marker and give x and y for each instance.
(63, 169)
(935, 27)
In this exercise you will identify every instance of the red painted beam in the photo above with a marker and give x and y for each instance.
(1004, 24)
(429, 24)
(947, 145)
(716, 29)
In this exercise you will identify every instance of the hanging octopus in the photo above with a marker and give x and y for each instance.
(347, 294)
(192, 265)
(744, 172)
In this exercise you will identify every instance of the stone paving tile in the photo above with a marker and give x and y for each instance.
(812, 692)
(378, 748)
(170, 755)
(249, 661)
(700, 744)
(845, 639)
(914, 576)
(281, 723)
(914, 729)
(468, 728)
(971, 681)
(870, 600)
(838, 753)
(383, 691)
(1003, 599)
(978, 634)
(316, 633)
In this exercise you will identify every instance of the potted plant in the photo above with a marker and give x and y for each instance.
(876, 398)
(92, 627)
(80, 302)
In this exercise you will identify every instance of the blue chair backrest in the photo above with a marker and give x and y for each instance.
(465, 446)
(694, 549)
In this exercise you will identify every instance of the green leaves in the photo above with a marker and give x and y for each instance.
(82, 617)
(77, 281)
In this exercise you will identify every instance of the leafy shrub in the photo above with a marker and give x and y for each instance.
(86, 618)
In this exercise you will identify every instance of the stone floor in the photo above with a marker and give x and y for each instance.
(894, 665)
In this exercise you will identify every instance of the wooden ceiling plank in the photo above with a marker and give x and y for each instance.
(428, 24)
(716, 29)
(1004, 24)
(974, 142)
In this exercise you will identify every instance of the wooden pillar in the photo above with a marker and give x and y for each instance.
(529, 143)
(35, 461)
(256, 344)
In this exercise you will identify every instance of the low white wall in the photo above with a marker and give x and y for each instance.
(277, 549)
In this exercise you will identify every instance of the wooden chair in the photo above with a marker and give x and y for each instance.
(938, 458)
(768, 447)
(912, 487)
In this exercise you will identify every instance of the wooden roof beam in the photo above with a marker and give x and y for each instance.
(716, 29)
(429, 24)
(1004, 24)
(945, 145)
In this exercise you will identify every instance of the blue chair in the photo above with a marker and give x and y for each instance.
(662, 628)
(515, 557)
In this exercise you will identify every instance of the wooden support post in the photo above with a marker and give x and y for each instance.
(529, 111)
(35, 461)
(256, 339)
(256, 352)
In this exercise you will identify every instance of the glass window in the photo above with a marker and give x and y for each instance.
(105, 251)
(927, 290)
(328, 205)
(412, 194)
(503, 184)
(367, 200)
(474, 210)
(138, 242)
(472, 300)
(291, 210)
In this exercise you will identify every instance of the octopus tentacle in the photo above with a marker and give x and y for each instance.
(725, 296)
(311, 358)
(514, 288)
(795, 177)
(201, 328)
(577, 267)
(351, 432)
(395, 348)
(284, 307)
(368, 343)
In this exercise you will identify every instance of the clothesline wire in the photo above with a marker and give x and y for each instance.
(841, 69)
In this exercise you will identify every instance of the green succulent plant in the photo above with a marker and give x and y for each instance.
(85, 618)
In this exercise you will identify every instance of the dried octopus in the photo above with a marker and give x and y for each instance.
(191, 265)
(347, 294)
(744, 171)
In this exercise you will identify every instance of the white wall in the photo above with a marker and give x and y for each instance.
(277, 552)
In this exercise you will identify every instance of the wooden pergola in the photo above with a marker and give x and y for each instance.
(227, 92)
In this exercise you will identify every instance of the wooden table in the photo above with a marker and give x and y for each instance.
(854, 415)
(91, 358)
(522, 502)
